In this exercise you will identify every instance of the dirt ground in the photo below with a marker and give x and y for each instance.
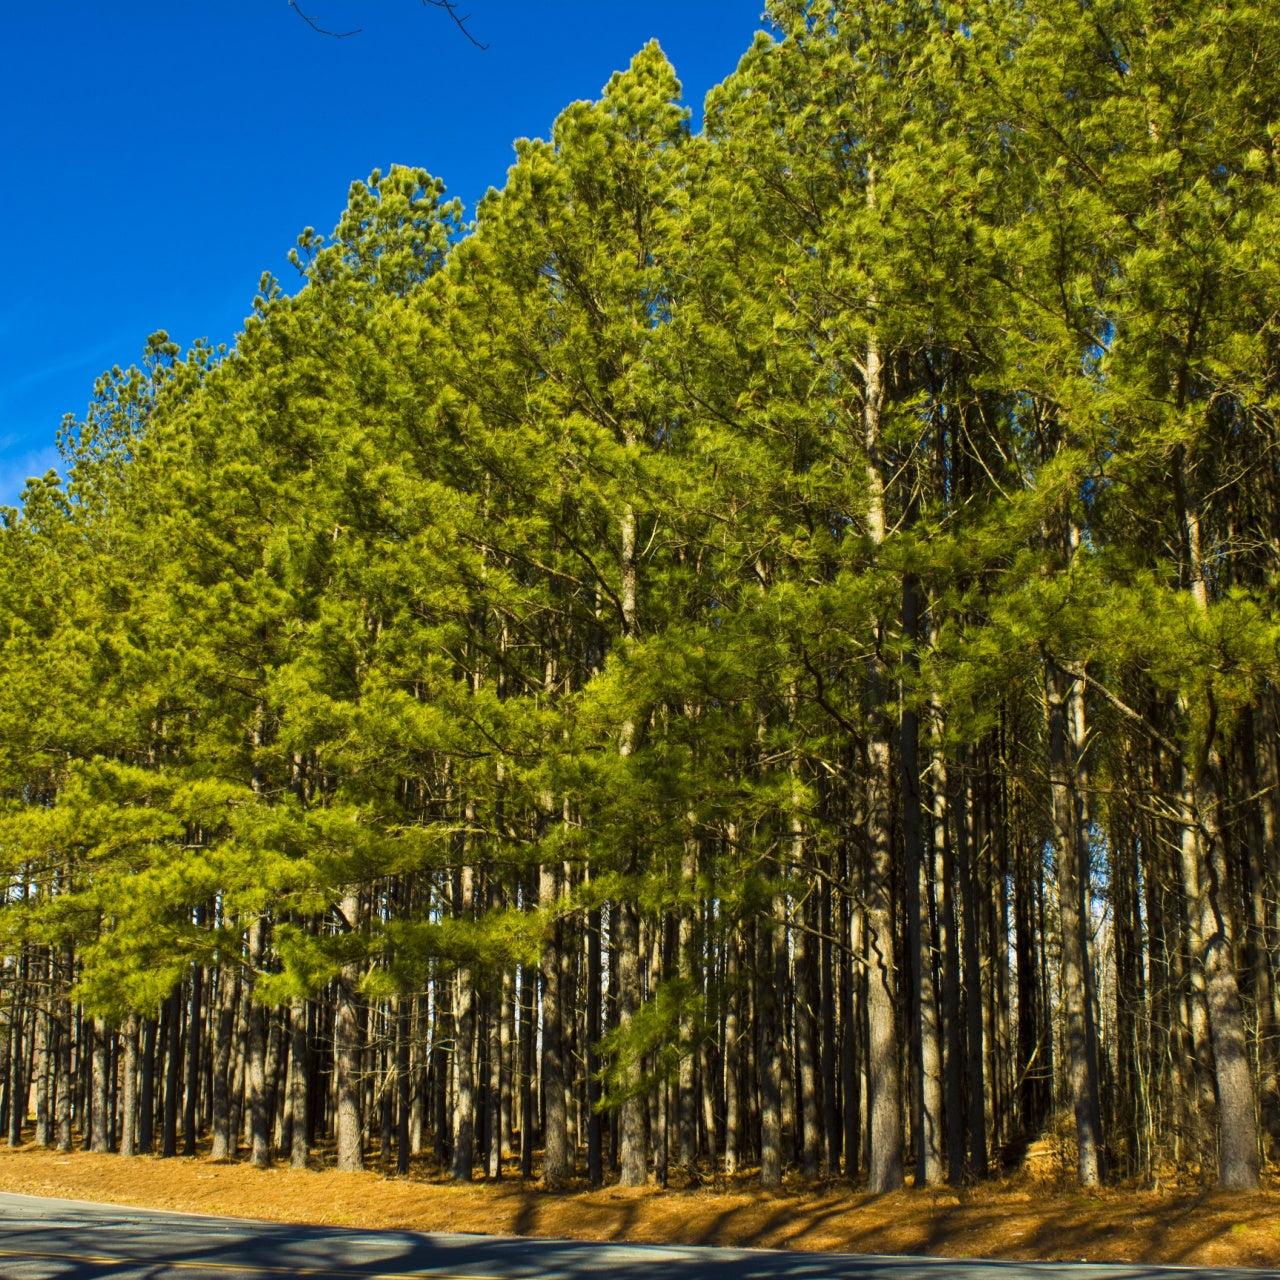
(1022, 1218)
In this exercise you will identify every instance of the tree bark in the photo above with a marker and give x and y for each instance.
(190, 1110)
(129, 1096)
(256, 1053)
(1081, 1062)
(464, 1014)
(299, 1074)
(555, 1138)
(147, 1097)
(631, 1135)
(172, 1072)
(346, 1051)
(224, 1031)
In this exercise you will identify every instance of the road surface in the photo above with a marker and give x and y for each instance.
(71, 1240)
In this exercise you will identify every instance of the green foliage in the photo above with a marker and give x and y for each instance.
(346, 609)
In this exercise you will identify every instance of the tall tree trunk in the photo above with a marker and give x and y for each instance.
(66, 1084)
(41, 1055)
(172, 1072)
(129, 1099)
(595, 1154)
(299, 1073)
(223, 1034)
(190, 1111)
(1207, 882)
(732, 1057)
(927, 1071)
(772, 943)
(403, 1083)
(971, 947)
(949, 956)
(101, 1088)
(555, 1138)
(1081, 1063)
(464, 1013)
(851, 1019)
(686, 1105)
(803, 948)
(17, 1083)
(346, 1051)
(885, 1162)
(526, 1038)
(147, 1096)
(631, 1137)
(256, 1052)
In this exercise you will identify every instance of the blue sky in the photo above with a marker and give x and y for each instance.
(158, 156)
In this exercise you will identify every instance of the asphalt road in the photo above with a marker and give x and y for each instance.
(70, 1240)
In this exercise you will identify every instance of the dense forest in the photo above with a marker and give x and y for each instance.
(757, 652)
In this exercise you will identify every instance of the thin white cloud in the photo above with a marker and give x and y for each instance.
(17, 468)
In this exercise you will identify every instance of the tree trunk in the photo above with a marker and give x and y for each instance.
(1082, 1065)
(595, 1154)
(927, 1066)
(555, 1138)
(885, 1165)
(772, 949)
(732, 1058)
(101, 1088)
(17, 1095)
(172, 1072)
(224, 1032)
(299, 1073)
(41, 1055)
(346, 1051)
(527, 980)
(804, 946)
(129, 1099)
(66, 1085)
(147, 1098)
(1206, 878)
(256, 1053)
(631, 1120)
(191, 1109)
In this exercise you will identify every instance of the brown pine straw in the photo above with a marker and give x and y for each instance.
(1021, 1218)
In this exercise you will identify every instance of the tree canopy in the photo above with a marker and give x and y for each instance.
(758, 650)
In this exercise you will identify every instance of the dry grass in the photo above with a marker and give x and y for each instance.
(1020, 1218)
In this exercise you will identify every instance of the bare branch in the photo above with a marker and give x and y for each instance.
(337, 35)
(450, 7)
(1077, 670)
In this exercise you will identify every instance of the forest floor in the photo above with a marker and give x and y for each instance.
(1019, 1218)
